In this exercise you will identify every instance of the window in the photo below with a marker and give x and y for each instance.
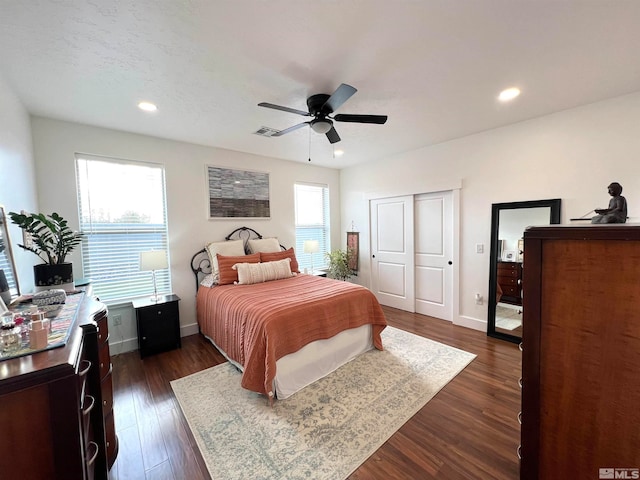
(122, 213)
(312, 223)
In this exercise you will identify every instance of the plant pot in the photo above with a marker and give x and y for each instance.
(59, 275)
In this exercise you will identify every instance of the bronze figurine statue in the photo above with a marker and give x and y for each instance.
(617, 211)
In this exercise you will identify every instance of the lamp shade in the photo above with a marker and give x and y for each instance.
(153, 260)
(311, 246)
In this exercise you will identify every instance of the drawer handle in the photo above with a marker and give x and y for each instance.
(82, 373)
(95, 454)
(520, 346)
(519, 451)
(90, 407)
(520, 382)
(520, 418)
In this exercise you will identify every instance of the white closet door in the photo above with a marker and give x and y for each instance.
(392, 262)
(434, 254)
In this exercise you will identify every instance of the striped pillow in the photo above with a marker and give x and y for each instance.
(228, 274)
(250, 273)
(270, 257)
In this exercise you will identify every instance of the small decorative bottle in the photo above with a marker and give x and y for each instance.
(10, 338)
(38, 335)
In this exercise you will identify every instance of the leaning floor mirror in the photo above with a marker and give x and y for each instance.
(8, 277)
(508, 223)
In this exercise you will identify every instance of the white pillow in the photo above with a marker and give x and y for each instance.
(250, 273)
(229, 248)
(264, 245)
(208, 281)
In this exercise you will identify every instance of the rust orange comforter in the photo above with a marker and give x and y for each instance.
(258, 324)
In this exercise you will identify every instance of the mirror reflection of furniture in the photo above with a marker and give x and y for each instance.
(9, 287)
(311, 247)
(508, 223)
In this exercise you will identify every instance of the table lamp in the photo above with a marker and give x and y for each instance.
(153, 260)
(311, 246)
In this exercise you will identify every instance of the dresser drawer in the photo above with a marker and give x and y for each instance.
(507, 281)
(107, 395)
(510, 291)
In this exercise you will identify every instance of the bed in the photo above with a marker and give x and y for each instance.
(286, 333)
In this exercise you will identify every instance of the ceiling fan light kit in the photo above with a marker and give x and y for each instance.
(321, 125)
(321, 106)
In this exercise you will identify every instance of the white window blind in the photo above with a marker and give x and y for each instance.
(312, 223)
(122, 213)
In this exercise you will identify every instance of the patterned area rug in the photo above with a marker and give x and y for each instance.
(326, 430)
(508, 318)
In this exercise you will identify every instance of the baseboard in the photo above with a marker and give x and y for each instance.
(191, 329)
(123, 346)
(470, 322)
(131, 344)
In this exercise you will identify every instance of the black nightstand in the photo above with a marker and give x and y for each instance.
(158, 324)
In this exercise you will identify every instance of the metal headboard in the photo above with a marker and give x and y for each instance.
(200, 263)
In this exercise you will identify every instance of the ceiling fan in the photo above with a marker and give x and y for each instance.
(321, 106)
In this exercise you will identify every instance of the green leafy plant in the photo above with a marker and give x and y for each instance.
(339, 265)
(52, 239)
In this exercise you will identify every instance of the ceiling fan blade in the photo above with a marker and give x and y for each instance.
(379, 119)
(337, 98)
(333, 136)
(284, 109)
(290, 129)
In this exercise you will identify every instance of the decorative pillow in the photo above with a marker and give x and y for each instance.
(231, 247)
(264, 245)
(228, 274)
(208, 281)
(270, 257)
(250, 273)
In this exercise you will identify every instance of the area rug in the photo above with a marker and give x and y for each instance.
(508, 318)
(326, 430)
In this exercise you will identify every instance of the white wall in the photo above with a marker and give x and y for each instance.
(17, 178)
(56, 143)
(572, 155)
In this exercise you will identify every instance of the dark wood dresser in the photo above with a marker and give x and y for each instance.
(56, 406)
(510, 281)
(581, 352)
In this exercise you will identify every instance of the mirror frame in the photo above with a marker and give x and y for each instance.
(4, 227)
(554, 218)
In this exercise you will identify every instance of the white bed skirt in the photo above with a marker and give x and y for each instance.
(317, 359)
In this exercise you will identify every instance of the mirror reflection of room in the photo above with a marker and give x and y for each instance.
(510, 257)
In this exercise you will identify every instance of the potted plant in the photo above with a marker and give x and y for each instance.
(51, 240)
(339, 265)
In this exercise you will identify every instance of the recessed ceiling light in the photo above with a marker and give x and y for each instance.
(337, 153)
(509, 94)
(147, 106)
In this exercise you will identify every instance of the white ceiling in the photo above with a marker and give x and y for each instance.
(434, 67)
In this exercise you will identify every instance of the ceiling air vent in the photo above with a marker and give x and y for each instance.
(266, 131)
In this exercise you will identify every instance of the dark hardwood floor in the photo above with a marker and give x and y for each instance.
(468, 430)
